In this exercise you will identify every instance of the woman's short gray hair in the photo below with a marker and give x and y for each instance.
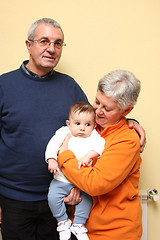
(47, 21)
(122, 86)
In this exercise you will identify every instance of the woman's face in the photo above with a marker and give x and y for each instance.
(107, 110)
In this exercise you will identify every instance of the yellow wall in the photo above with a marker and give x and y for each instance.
(101, 36)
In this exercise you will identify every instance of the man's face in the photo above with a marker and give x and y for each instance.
(44, 58)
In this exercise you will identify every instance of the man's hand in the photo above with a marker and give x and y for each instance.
(74, 197)
(140, 131)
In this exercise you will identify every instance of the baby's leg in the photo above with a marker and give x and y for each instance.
(57, 191)
(82, 209)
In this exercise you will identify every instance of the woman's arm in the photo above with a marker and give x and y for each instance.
(115, 164)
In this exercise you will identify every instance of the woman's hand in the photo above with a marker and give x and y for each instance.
(64, 145)
(74, 197)
(140, 131)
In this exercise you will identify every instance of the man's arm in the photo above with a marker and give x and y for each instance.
(139, 129)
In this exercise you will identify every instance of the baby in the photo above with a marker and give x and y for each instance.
(86, 144)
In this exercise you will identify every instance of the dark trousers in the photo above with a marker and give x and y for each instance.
(27, 220)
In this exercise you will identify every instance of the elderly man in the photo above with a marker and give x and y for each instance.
(34, 103)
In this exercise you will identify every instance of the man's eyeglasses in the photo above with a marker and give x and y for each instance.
(45, 43)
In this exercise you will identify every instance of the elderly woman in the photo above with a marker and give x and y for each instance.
(113, 179)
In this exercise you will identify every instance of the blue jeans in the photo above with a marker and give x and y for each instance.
(27, 220)
(57, 191)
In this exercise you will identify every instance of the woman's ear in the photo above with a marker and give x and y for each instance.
(128, 110)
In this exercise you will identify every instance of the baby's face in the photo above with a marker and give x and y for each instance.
(81, 124)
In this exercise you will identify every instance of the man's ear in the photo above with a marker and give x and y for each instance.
(28, 45)
(68, 123)
(128, 110)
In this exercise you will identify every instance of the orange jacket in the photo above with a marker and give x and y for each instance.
(113, 183)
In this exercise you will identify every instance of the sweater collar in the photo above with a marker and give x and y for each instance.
(112, 128)
(30, 73)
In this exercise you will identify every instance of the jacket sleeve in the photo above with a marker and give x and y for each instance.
(116, 163)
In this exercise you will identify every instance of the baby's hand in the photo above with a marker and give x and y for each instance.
(84, 161)
(53, 166)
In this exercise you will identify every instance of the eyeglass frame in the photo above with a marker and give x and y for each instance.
(48, 43)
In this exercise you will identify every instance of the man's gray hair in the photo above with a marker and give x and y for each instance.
(122, 86)
(47, 21)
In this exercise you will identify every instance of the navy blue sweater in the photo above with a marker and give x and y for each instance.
(31, 110)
